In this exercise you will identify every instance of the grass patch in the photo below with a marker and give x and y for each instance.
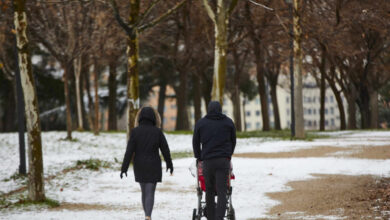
(179, 132)
(92, 164)
(23, 203)
(178, 155)
(16, 176)
(282, 134)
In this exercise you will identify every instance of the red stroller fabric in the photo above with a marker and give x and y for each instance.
(201, 177)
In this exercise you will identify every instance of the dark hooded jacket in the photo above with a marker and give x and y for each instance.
(214, 134)
(144, 144)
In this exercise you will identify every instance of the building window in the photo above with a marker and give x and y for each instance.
(331, 99)
(309, 123)
(248, 125)
(248, 113)
(314, 99)
(314, 111)
(326, 99)
(257, 125)
(309, 111)
(326, 122)
(332, 122)
(326, 111)
(288, 111)
(257, 100)
(331, 110)
(287, 99)
(257, 113)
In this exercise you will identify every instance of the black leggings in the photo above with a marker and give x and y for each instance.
(148, 190)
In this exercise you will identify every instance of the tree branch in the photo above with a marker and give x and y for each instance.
(209, 11)
(232, 6)
(128, 29)
(160, 18)
(147, 11)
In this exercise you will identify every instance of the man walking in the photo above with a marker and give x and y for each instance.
(214, 141)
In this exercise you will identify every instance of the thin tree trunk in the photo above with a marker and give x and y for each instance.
(206, 91)
(96, 85)
(77, 62)
(243, 109)
(197, 97)
(36, 191)
(374, 109)
(161, 100)
(275, 104)
(67, 72)
(260, 72)
(262, 90)
(181, 102)
(112, 113)
(351, 99)
(237, 108)
(298, 87)
(322, 98)
(90, 100)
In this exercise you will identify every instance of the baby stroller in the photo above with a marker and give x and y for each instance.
(200, 212)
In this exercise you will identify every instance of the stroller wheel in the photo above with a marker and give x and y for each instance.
(194, 217)
(232, 214)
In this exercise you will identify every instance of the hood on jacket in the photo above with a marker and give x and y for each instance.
(147, 114)
(214, 111)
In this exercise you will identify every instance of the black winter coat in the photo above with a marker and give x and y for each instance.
(144, 143)
(216, 133)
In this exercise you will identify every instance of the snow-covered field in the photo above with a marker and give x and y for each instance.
(109, 197)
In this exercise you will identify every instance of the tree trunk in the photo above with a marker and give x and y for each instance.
(298, 87)
(181, 102)
(243, 109)
(322, 98)
(90, 100)
(197, 98)
(262, 89)
(77, 62)
(161, 100)
(9, 106)
(237, 108)
(96, 86)
(374, 110)
(67, 72)
(206, 91)
(275, 104)
(112, 113)
(36, 190)
(221, 22)
(364, 106)
(339, 104)
(132, 81)
(260, 72)
(351, 99)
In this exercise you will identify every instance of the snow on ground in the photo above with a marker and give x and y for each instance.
(176, 196)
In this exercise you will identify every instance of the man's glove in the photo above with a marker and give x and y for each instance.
(122, 174)
(170, 167)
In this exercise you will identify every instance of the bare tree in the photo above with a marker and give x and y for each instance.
(36, 190)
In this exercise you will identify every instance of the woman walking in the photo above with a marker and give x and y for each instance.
(143, 148)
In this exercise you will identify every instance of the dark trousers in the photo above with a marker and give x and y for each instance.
(216, 173)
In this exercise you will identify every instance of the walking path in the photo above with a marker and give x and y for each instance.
(331, 178)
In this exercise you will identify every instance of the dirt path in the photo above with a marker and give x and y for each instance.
(377, 152)
(340, 196)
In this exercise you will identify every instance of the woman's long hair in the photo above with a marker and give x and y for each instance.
(156, 114)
